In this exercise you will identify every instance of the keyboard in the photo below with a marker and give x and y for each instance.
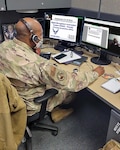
(60, 47)
(78, 52)
(78, 62)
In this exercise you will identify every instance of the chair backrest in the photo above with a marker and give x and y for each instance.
(42, 100)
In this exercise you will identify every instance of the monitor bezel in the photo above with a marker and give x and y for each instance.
(105, 23)
(78, 33)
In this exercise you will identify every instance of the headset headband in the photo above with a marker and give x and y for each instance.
(27, 25)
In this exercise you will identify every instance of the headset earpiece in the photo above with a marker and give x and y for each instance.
(35, 38)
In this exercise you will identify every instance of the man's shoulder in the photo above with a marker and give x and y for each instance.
(7, 43)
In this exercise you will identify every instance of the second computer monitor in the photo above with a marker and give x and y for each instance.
(95, 33)
(104, 36)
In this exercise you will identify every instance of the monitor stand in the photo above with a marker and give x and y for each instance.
(101, 60)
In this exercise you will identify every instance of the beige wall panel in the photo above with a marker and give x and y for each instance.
(110, 6)
(86, 4)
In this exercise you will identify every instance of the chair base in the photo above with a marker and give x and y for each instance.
(38, 126)
(27, 140)
(45, 127)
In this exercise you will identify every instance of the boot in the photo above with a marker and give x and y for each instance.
(58, 114)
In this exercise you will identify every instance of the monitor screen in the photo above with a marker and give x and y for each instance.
(63, 28)
(114, 40)
(104, 35)
(95, 33)
(8, 31)
(66, 28)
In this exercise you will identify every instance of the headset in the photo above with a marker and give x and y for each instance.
(34, 37)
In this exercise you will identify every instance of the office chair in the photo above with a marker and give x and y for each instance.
(34, 122)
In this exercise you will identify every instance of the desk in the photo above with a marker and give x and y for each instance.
(113, 100)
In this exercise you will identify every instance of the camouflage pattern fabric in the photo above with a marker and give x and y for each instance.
(32, 74)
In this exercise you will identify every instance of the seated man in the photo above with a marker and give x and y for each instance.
(32, 74)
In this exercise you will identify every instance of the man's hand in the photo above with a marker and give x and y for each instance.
(100, 70)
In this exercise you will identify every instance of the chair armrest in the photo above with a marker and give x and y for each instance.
(48, 94)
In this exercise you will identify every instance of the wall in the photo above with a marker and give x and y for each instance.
(92, 5)
(109, 9)
(110, 6)
(107, 6)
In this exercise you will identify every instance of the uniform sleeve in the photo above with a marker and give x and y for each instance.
(70, 81)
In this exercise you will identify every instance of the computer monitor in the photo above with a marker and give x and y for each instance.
(47, 18)
(100, 34)
(41, 21)
(66, 29)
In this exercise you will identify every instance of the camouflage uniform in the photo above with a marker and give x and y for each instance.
(32, 74)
